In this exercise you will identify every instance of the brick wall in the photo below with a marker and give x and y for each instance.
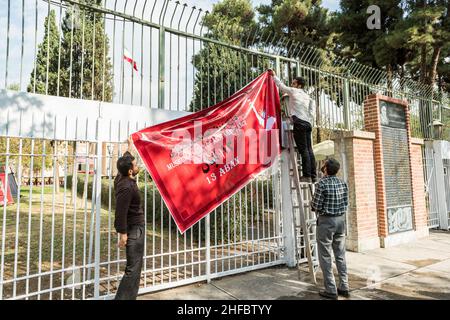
(373, 124)
(360, 165)
(420, 211)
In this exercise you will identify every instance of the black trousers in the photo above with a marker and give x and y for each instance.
(129, 286)
(302, 136)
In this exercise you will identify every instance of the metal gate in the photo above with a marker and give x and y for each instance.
(57, 240)
(431, 195)
(447, 185)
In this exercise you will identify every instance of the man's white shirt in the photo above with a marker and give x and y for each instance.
(300, 103)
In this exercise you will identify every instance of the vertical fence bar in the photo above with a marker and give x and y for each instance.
(16, 246)
(7, 45)
(75, 204)
(98, 206)
(162, 67)
(41, 213)
(208, 247)
(346, 105)
(4, 187)
(30, 202)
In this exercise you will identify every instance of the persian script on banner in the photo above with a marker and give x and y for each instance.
(199, 161)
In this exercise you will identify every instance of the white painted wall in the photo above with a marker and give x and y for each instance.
(32, 115)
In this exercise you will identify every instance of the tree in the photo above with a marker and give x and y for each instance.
(304, 23)
(221, 70)
(44, 77)
(371, 47)
(78, 64)
(86, 67)
(426, 32)
(74, 62)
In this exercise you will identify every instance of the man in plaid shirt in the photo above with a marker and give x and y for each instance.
(330, 202)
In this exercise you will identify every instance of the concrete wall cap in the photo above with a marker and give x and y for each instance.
(353, 134)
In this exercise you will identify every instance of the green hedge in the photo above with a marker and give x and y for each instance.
(156, 204)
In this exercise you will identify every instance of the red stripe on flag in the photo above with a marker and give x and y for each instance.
(131, 61)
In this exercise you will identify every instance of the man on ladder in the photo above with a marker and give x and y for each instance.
(302, 109)
(300, 131)
(330, 201)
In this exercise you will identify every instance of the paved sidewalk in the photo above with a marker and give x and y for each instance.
(419, 270)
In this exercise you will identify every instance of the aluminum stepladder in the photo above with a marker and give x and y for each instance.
(305, 228)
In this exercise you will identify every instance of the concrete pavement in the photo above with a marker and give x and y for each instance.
(419, 270)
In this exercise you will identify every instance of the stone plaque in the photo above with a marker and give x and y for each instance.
(396, 167)
(399, 219)
(392, 115)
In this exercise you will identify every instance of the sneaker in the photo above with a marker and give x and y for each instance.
(328, 295)
(343, 293)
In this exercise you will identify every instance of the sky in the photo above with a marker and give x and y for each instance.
(144, 54)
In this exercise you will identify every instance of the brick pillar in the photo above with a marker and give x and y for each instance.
(357, 148)
(418, 182)
(372, 123)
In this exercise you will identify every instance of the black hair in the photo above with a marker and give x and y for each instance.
(301, 81)
(332, 166)
(125, 163)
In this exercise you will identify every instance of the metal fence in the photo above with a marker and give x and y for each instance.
(447, 186)
(430, 186)
(181, 64)
(57, 239)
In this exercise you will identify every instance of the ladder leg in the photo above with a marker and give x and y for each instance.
(300, 205)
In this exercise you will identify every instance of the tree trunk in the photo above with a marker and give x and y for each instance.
(423, 63)
(434, 63)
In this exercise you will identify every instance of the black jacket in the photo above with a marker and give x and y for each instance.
(128, 204)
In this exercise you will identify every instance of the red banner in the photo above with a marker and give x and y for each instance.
(201, 160)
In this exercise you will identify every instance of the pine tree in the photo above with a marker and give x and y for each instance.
(221, 71)
(44, 77)
(309, 24)
(304, 21)
(425, 31)
(74, 62)
(371, 47)
(87, 68)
